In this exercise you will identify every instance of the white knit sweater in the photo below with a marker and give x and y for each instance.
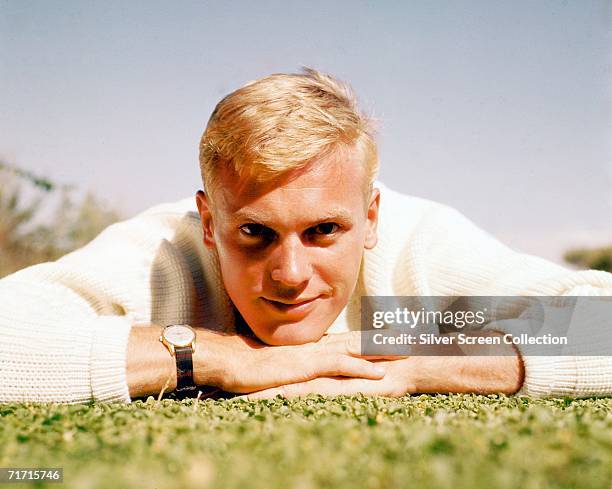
(64, 326)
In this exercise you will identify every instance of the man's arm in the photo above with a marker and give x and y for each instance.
(442, 253)
(238, 364)
(80, 329)
(53, 348)
(149, 366)
(486, 369)
(483, 369)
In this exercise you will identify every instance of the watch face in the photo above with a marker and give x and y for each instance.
(179, 335)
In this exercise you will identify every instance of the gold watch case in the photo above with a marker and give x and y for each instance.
(178, 335)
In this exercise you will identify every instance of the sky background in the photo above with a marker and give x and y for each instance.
(499, 109)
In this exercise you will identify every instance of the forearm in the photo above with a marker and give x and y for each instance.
(149, 365)
(482, 375)
(497, 369)
(151, 368)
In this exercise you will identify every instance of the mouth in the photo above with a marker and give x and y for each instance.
(291, 308)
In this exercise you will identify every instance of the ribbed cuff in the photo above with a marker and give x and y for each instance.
(549, 376)
(108, 359)
(585, 367)
(545, 375)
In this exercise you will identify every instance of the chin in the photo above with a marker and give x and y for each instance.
(289, 334)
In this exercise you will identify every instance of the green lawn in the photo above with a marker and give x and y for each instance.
(458, 441)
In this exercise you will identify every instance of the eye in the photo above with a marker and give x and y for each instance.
(257, 231)
(325, 228)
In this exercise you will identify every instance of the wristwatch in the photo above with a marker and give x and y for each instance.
(180, 341)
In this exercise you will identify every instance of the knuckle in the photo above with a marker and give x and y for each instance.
(339, 365)
(353, 343)
(308, 371)
(333, 343)
(326, 339)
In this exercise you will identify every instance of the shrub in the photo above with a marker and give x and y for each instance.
(41, 221)
(597, 259)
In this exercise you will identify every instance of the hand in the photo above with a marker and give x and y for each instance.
(239, 364)
(499, 370)
(397, 382)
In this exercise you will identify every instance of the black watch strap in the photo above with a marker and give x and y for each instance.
(184, 370)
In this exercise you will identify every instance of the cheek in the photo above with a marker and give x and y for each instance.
(341, 268)
(242, 272)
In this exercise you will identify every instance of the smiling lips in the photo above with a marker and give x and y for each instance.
(294, 308)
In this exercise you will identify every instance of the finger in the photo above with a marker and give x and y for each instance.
(351, 342)
(329, 386)
(355, 345)
(340, 365)
(305, 364)
(379, 357)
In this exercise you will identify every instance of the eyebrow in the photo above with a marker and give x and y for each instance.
(334, 214)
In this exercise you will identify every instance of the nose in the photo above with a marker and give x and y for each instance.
(291, 266)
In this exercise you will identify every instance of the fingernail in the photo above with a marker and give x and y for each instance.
(380, 370)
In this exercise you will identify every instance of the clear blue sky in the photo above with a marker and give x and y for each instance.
(500, 109)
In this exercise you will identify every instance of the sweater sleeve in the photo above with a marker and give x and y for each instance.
(445, 254)
(64, 326)
(586, 374)
(55, 348)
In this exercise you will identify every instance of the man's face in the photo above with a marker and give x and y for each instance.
(290, 254)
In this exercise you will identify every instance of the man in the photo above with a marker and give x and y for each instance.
(292, 230)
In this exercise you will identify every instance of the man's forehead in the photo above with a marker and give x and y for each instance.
(325, 188)
(305, 214)
(294, 205)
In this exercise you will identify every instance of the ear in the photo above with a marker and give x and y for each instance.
(206, 218)
(371, 237)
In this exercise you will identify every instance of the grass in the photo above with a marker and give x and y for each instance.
(458, 441)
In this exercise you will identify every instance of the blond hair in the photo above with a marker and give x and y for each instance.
(282, 122)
